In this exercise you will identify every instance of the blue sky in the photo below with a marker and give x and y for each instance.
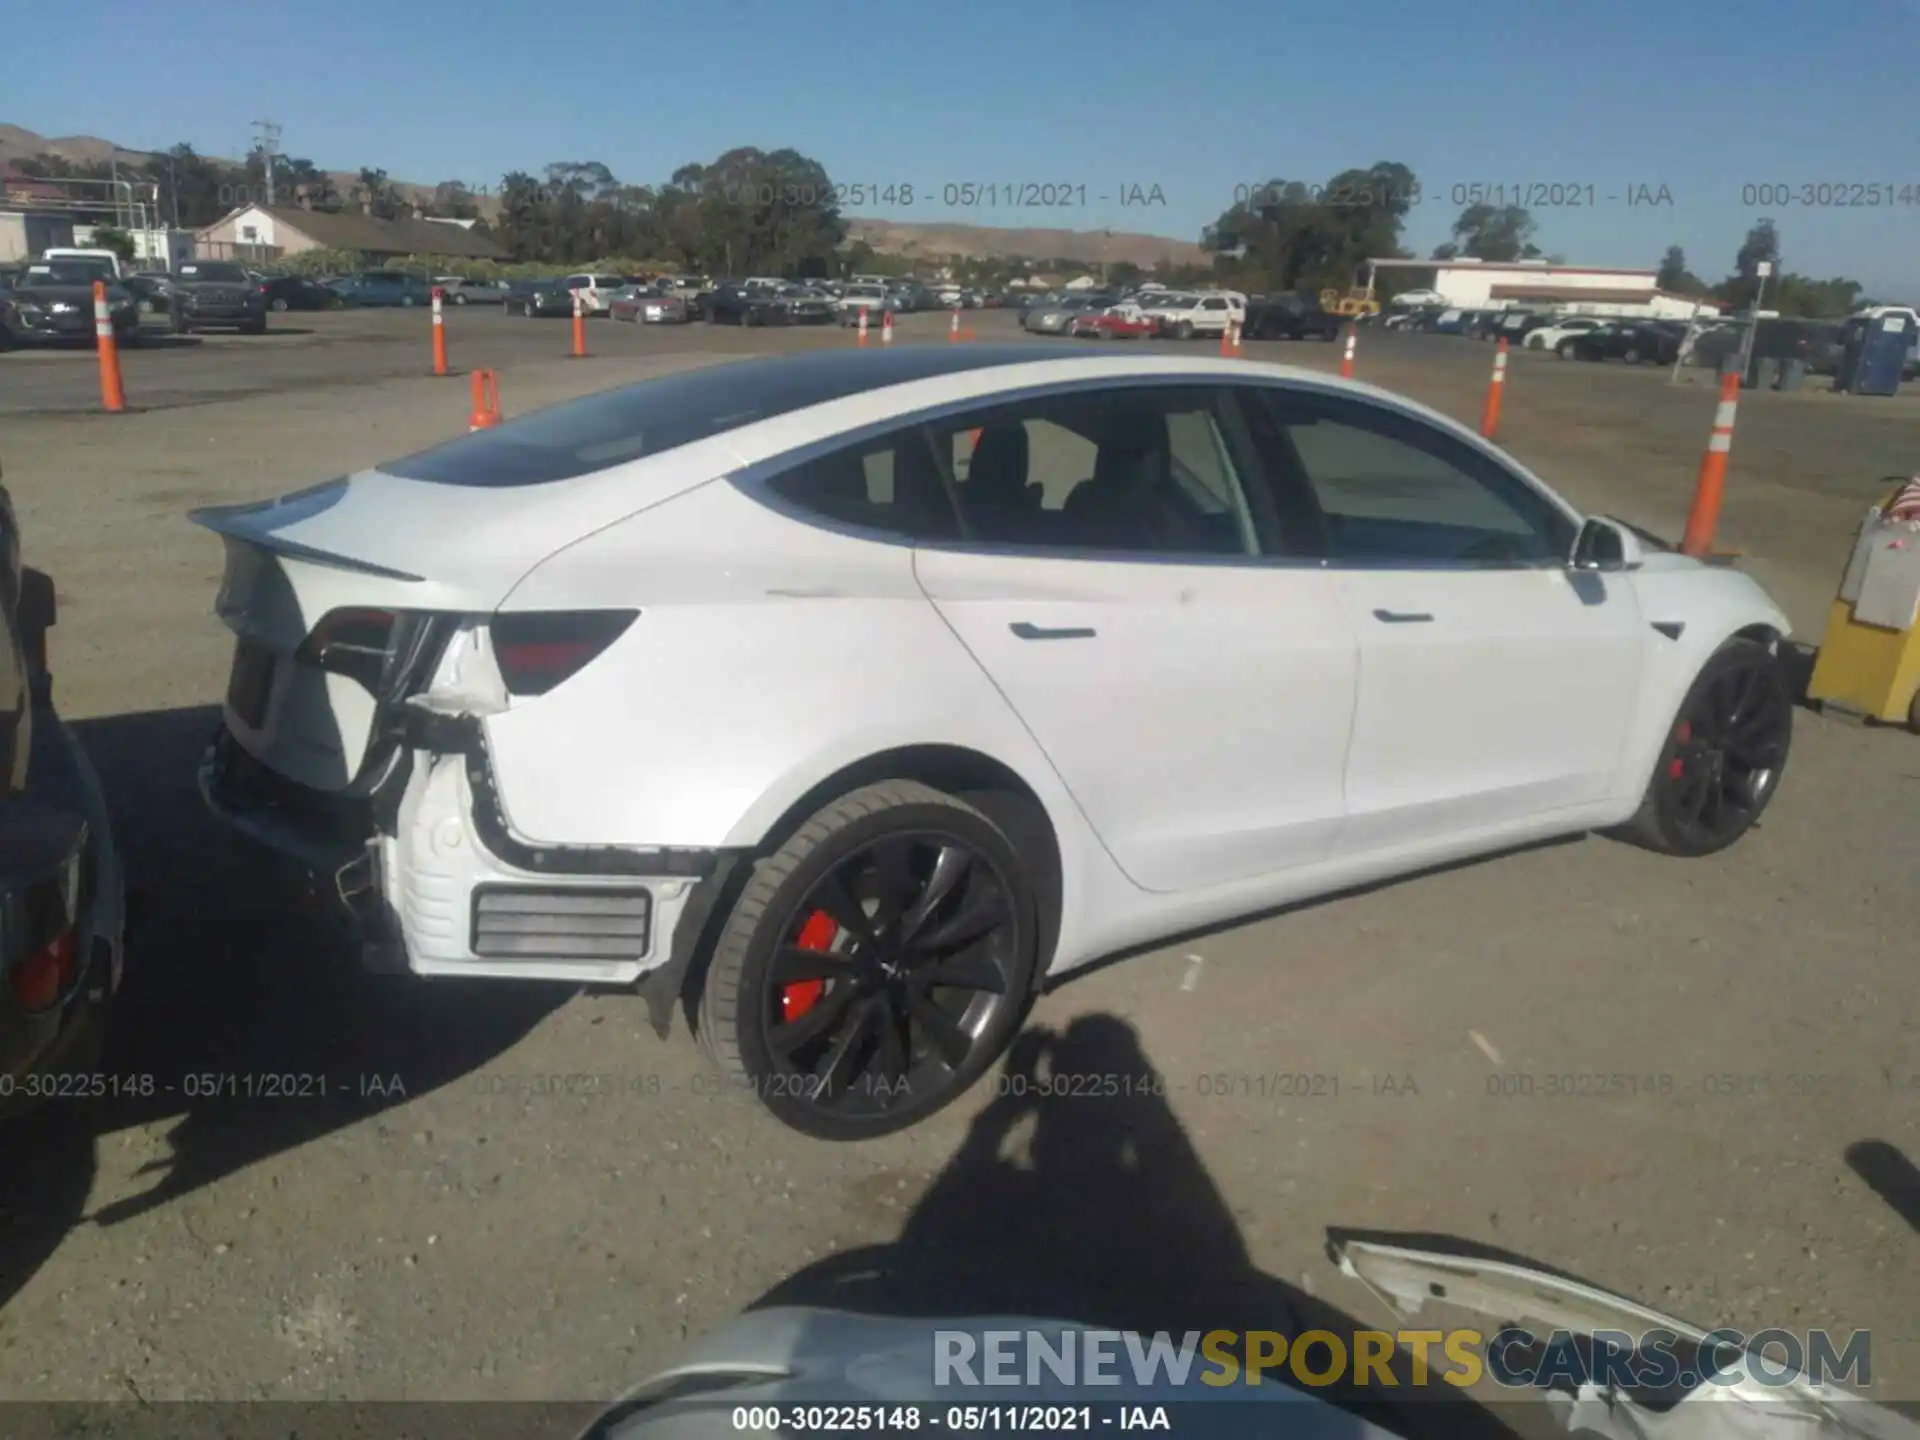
(1194, 98)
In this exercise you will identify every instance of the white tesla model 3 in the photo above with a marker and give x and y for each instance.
(848, 697)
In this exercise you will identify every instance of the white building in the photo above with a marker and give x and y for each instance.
(162, 249)
(1578, 289)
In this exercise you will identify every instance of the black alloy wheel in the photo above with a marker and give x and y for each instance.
(876, 965)
(1723, 757)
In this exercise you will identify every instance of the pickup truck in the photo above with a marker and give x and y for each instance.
(1290, 317)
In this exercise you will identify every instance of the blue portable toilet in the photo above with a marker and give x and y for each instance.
(1878, 349)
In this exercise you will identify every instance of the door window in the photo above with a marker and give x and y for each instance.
(1141, 470)
(1365, 485)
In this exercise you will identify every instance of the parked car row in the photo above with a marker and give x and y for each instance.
(1140, 313)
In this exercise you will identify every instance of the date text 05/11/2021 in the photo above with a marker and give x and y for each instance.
(1500, 194)
(272, 1085)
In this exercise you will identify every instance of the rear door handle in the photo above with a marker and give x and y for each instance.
(1403, 617)
(1025, 631)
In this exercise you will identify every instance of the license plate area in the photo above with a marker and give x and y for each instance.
(250, 686)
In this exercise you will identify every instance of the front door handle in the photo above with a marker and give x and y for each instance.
(1025, 631)
(1403, 617)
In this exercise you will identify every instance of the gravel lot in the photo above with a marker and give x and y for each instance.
(430, 1231)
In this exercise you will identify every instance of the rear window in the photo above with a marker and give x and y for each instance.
(617, 426)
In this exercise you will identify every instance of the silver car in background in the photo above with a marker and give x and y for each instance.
(1057, 318)
(876, 300)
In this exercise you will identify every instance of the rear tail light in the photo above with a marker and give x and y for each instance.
(46, 879)
(537, 650)
(44, 976)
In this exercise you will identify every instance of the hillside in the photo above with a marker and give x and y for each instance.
(1112, 247)
(888, 237)
(20, 144)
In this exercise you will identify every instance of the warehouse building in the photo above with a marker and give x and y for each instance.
(1537, 284)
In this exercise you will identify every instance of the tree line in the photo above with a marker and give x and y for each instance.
(753, 211)
(1292, 235)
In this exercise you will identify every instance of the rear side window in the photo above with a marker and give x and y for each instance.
(1132, 471)
(890, 485)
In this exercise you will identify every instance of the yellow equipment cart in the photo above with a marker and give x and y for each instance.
(1870, 661)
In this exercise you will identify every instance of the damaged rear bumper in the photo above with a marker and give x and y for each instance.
(426, 868)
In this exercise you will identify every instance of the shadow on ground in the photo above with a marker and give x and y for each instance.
(230, 979)
(1095, 1209)
(1890, 1175)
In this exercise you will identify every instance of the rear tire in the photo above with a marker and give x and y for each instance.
(1726, 750)
(744, 999)
(1183, 331)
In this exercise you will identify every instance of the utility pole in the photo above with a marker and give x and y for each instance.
(1763, 269)
(266, 140)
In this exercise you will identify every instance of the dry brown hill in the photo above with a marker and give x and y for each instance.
(1110, 247)
(889, 237)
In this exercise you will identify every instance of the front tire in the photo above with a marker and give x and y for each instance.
(1723, 758)
(875, 965)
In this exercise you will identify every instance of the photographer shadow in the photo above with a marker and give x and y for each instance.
(1096, 1209)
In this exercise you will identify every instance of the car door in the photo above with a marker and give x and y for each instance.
(1496, 684)
(1194, 693)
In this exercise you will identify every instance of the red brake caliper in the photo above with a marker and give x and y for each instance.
(1677, 768)
(801, 996)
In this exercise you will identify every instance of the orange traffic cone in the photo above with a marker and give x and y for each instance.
(486, 401)
(113, 395)
(439, 333)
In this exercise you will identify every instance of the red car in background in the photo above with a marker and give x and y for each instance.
(1116, 322)
(648, 305)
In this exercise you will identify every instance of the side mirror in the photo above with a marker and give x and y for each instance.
(1606, 546)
